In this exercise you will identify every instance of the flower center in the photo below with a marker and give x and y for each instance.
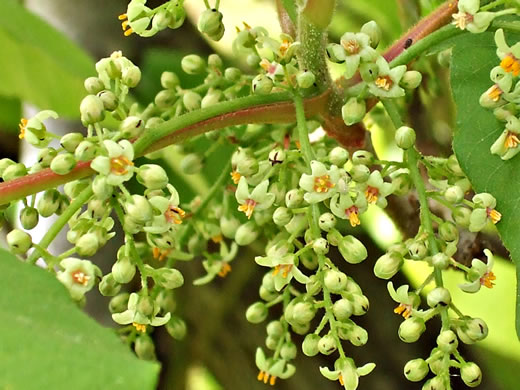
(224, 270)
(404, 310)
(462, 19)
(494, 93)
(264, 376)
(371, 193)
(511, 64)
(216, 239)
(351, 46)
(174, 215)
(139, 327)
(384, 82)
(22, 125)
(494, 215)
(322, 184)
(352, 214)
(340, 379)
(80, 277)
(487, 279)
(284, 47)
(119, 165)
(235, 176)
(285, 268)
(248, 207)
(511, 141)
(160, 254)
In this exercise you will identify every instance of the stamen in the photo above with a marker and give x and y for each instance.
(80, 277)
(22, 125)
(128, 32)
(384, 82)
(511, 64)
(248, 207)
(371, 193)
(122, 17)
(323, 184)
(351, 46)
(160, 254)
(341, 382)
(462, 19)
(260, 376)
(174, 215)
(224, 270)
(119, 165)
(139, 327)
(352, 215)
(494, 215)
(235, 176)
(216, 239)
(284, 47)
(494, 93)
(404, 310)
(272, 381)
(511, 141)
(487, 279)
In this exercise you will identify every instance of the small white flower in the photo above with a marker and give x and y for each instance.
(321, 183)
(117, 166)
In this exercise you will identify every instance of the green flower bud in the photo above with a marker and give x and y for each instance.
(401, 184)
(14, 171)
(94, 85)
(294, 198)
(453, 165)
(193, 64)
(320, 246)
(357, 336)
(342, 309)
(448, 231)
(338, 156)
(212, 97)
(405, 137)
(417, 250)
(360, 304)
(373, 30)
(29, 218)
(411, 79)
(102, 190)
(257, 312)
(388, 265)
(229, 226)
(92, 110)
(475, 329)
(461, 216)
(191, 100)
(464, 184)
(152, 176)
(271, 342)
(48, 204)
(169, 80)
(145, 305)
(352, 250)
(288, 351)
(232, 74)
(411, 329)
(416, 370)
(360, 173)
(447, 341)
(335, 281)
(108, 287)
(327, 221)
(444, 58)
(7, 162)
(275, 329)
(123, 270)
(369, 72)
(109, 99)
(144, 347)
(353, 111)
(210, 23)
(282, 216)
(454, 194)
(336, 53)
(131, 76)
(119, 303)
(252, 60)
(191, 164)
(438, 296)
(362, 157)
(276, 156)
(177, 328)
(63, 163)
(327, 344)
(441, 261)
(139, 209)
(471, 374)
(166, 301)
(262, 85)
(168, 278)
(313, 286)
(297, 224)
(246, 234)
(310, 345)
(87, 245)
(267, 295)
(436, 383)
(301, 313)
(19, 242)
(305, 79)
(71, 141)
(165, 99)
(85, 151)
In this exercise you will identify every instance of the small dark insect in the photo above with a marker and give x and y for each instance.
(408, 43)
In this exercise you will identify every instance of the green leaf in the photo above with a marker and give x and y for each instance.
(46, 342)
(473, 58)
(10, 114)
(39, 64)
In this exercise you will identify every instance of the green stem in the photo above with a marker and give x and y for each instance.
(56, 227)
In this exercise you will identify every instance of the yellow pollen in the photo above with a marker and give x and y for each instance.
(224, 270)
(371, 193)
(404, 310)
(384, 82)
(494, 93)
(128, 32)
(248, 207)
(340, 378)
(119, 165)
(80, 277)
(284, 46)
(353, 217)
(124, 25)
(323, 184)
(511, 141)
(511, 64)
(286, 268)
(139, 327)
(235, 176)
(462, 19)
(494, 215)
(22, 125)
(298, 145)
(487, 279)
(351, 46)
(160, 254)
(216, 239)
(122, 17)
(247, 26)
(265, 64)
(174, 215)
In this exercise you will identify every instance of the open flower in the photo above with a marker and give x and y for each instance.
(117, 166)
(386, 85)
(283, 50)
(258, 199)
(79, 276)
(493, 97)
(345, 206)
(483, 212)
(346, 372)
(506, 146)
(357, 48)
(217, 263)
(408, 301)
(376, 189)
(510, 56)
(271, 369)
(468, 17)
(321, 183)
(138, 319)
(480, 274)
(169, 212)
(34, 131)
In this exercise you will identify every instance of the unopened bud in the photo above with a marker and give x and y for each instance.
(262, 85)
(305, 79)
(353, 111)
(327, 344)
(411, 79)
(256, 313)
(388, 265)
(416, 370)
(373, 30)
(335, 281)
(471, 374)
(411, 329)
(18, 241)
(352, 250)
(152, 176)
(193, 64)
(405, 137)
(438, 296)
(92, 110)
